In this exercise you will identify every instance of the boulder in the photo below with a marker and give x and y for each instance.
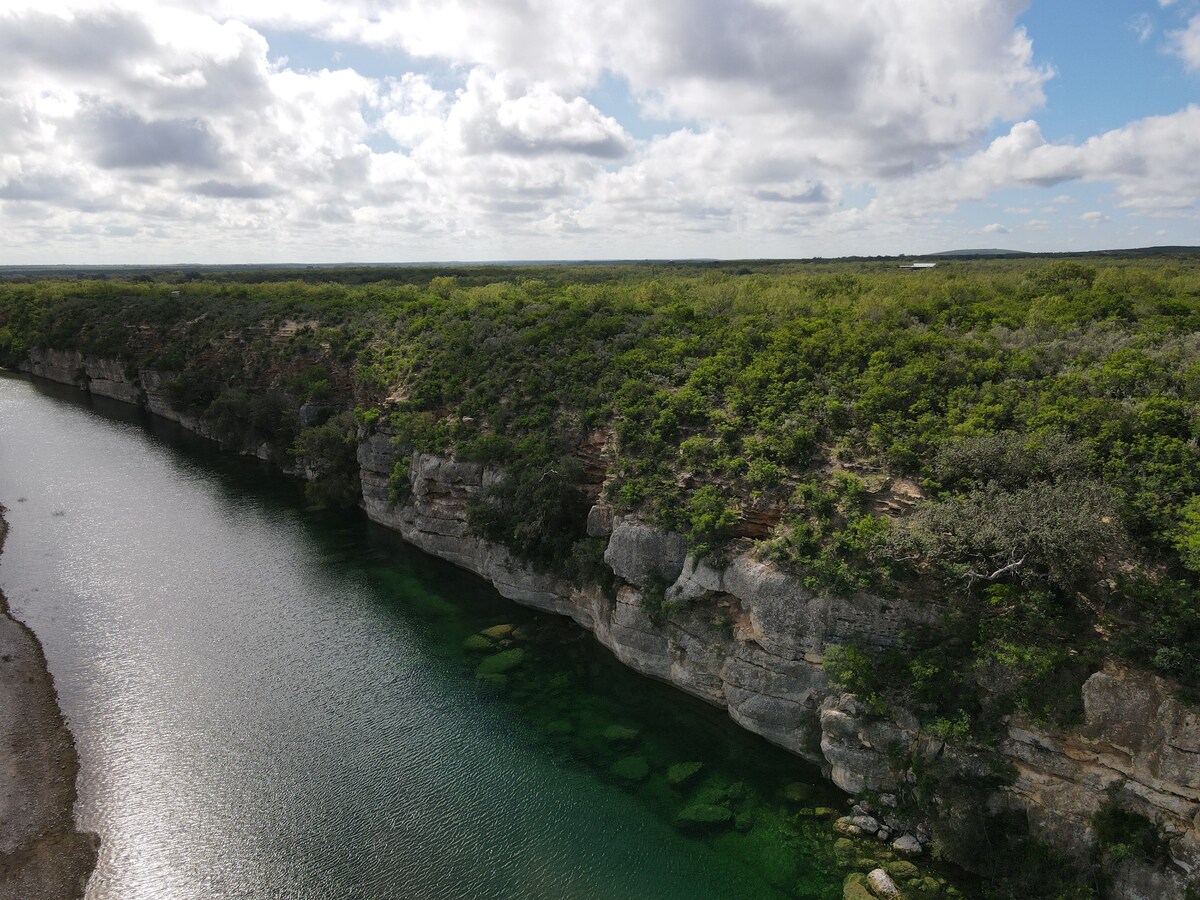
(845, 825)
(903, 870)
(882, 886)
(866, 824)
(599, 521)
(641, 554)
(797, 792)
(477, 643)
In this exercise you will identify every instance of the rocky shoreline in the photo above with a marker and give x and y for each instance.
(42, 855)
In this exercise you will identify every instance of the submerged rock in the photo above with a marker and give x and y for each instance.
(501, 663)
(703, 817)
(797, 792)
(845, 825)
(496, 632)
(620, 734)
(903, 870)
(477, 643)
(631, 768)
(682, 773)
(866, 824)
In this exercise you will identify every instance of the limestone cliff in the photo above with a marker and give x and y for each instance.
(750, 638)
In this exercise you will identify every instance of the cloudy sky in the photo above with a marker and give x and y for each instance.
(405, 130)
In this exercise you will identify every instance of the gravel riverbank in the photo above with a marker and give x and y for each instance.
(42, 855)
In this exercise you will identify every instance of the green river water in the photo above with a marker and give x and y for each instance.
(271, 701)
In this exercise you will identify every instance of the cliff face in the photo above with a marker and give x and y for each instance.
(110, 378)
(749, 637)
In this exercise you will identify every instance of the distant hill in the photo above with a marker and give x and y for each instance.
(987, 252)
(1132, 252)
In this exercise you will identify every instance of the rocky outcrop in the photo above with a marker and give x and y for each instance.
(115, 380)
(434, 519)
(1138, 747)
(104, 377)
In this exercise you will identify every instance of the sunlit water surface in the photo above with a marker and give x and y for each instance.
(272, 702)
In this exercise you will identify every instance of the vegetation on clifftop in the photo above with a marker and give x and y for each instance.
(1022, 437)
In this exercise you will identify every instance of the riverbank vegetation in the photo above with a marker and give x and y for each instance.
(1018, 437)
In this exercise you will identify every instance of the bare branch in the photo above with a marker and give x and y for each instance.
(974, 576)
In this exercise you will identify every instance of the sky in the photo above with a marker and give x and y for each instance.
(300, 131)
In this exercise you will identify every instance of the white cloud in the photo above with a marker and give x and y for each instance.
(1150, 161)
(1095, 217)
(167, 124)
(995, 228)
(886, 87)
(1185, 43)
(1143, 26)
(498, 114)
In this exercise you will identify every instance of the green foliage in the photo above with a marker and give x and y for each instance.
(709, 518)
(655, 603)
(329, 455)
(957, 729)
(830, 535)
(1164, 632)
(538, 511)
(399, 481)
(1187, 534)
(852, 669)
(1123, 834)
(1057, 533)
(586, 565)
(1048, 408)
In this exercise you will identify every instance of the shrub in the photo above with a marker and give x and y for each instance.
(1052, 533)
(1122, 834)
(1187, 534)
(329, 455)
(710, 519)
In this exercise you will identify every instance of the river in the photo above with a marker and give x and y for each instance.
(271, 701)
